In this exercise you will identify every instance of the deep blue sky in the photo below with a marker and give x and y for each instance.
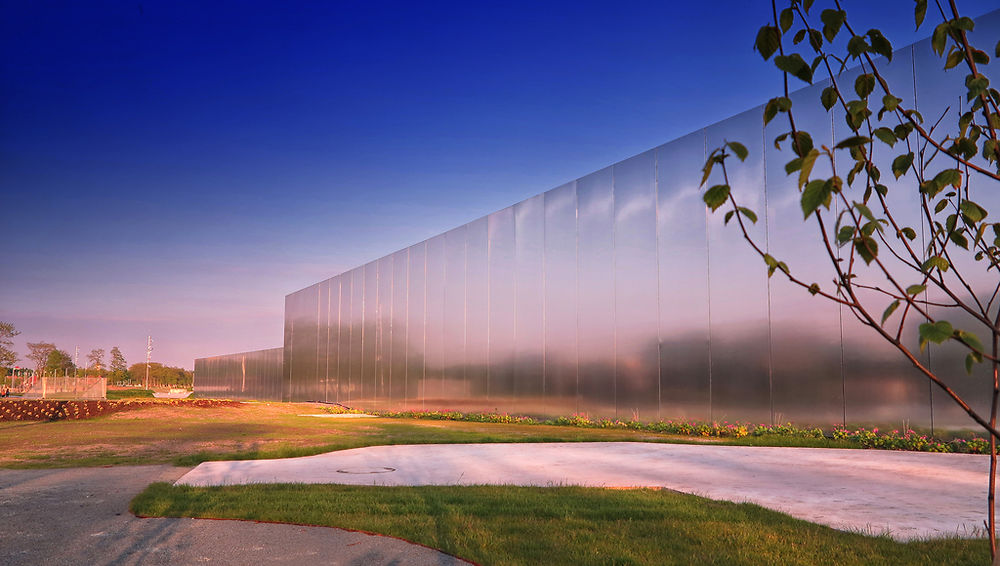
(175, 168)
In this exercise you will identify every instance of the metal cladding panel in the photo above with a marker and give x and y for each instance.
(477, 321)
(302, 307)
(356, 336)
(344, 338)
(683, 280)
(529, 308)
(738, 285)
(500, 377)
(434, 350)
(637, 357)
(560, 312)
(595, 203)
(881, 386)
(807, 378)
(416, 334)
(398, 330)
(383, 344)
(369, 336)
(253, 375)
(453, 386)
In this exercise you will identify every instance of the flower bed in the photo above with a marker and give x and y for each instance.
(55, 410)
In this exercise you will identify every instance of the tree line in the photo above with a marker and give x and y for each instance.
(49, 360)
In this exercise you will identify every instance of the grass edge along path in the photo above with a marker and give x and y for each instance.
(505, 525)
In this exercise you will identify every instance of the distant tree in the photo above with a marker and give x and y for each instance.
(59, 363)
(119, 367)
(164, 376)
(8, 357)
(96, 359)
(38, 352)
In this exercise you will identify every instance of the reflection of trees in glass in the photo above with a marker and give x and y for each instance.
(8, 357)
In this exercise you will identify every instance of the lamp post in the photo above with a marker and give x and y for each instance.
(149, 352)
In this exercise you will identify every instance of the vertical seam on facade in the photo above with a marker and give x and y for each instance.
(708, 277)
(767, 282)
(406, 334)
(545, 288)
(614, 290)
(656, 247)
(423, 379)
(576, 241)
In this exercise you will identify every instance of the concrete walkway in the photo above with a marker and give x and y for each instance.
(80, 516)
(905, 494)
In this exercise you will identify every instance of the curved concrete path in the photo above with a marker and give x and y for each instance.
(905, 494)
(80, 516)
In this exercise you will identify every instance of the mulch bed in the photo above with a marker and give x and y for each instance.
(55, 410)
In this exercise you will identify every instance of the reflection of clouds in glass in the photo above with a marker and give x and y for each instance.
(560, 199)
(638, 203)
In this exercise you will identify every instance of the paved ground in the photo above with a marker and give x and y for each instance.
(80, 517)
(906, 494)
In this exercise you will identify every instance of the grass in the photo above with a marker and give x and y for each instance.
(186, 436)
(501, 525)
(114, 394)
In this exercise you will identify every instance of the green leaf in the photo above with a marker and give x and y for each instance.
(951, 177)
(971, 359)
(845, 234)
(829, 97)
(815, 194)
(935, 262)
(939, 38)
(803, 143)
(919, 12)
(910, 233)
(864, 211)
(751, 215)
(768, 40)
(807, 165)
(857, 46)
(880, 44)
(936, 332)
(901, 164)
(971, 340)
(814, 288)
(954, 58)
(794, 65)
(786, 19)
(716, 196)
(852, 141)
(885, 135)
(864, 85)
(915, 289)
(707, 169)
(739, 149)
(972, 211)
(832, 21)
(867, 248)
(889, 310)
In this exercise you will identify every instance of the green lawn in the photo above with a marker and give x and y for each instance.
(563, 525)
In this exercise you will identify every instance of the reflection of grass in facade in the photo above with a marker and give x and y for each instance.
(562, 525)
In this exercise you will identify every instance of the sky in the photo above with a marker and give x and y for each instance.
(175, 169)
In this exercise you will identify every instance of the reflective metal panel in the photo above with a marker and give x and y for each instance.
(253, 375)
(399, 332)
(738, 286)
(416, 333)
(454, 387)
(477, 310)
(500, 377)
(529, 323)
(369, 336)
(636, 317)
(560, 314)
(434, 350)
(356, 335)
(383, 345)
(807, 376)
(683, 280)
(597, 292)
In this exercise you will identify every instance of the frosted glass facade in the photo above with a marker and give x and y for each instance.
(618, 294)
